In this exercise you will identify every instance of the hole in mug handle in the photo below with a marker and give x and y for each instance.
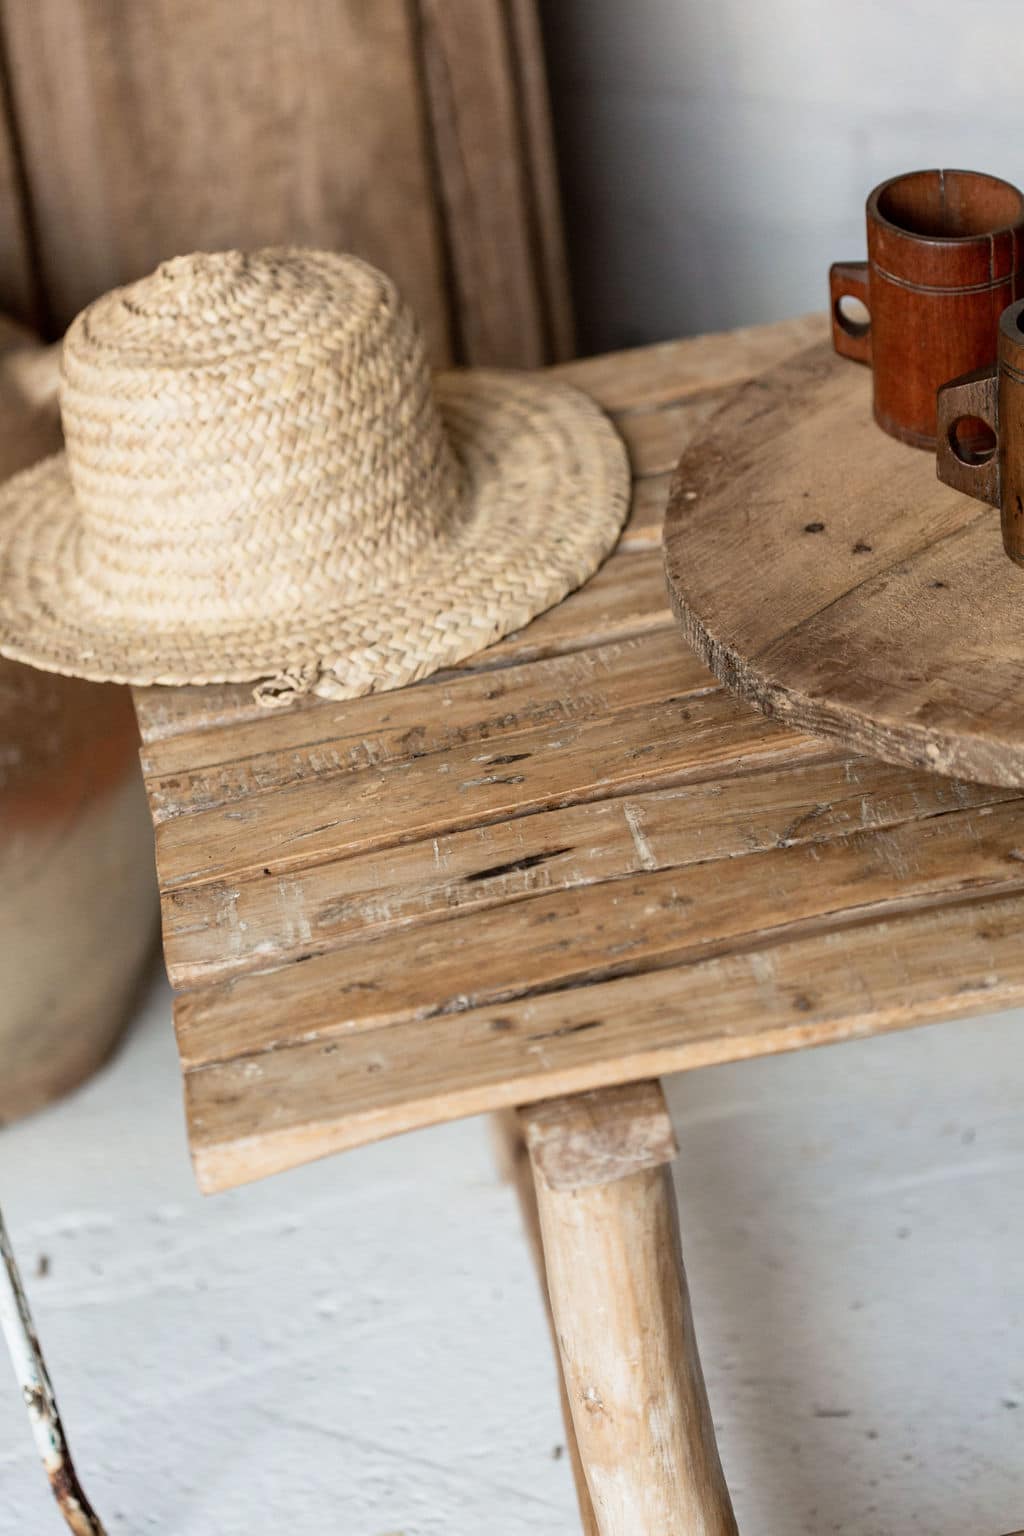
(852, 315)
(972, 440)
(967, 435)
(851, 306)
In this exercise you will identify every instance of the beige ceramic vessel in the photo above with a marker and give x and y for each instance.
(77, 891)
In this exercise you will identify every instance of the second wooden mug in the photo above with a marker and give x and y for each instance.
(945, 256)
(994, 472)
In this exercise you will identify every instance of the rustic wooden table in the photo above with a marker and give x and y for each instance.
(537, 882)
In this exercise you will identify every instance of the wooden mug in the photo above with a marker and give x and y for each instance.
(994, 397)
(945, 256)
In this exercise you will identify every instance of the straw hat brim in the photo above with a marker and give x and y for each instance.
(547, 491)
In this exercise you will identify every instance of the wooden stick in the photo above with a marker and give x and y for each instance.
(36, 1389)
(622, 1313)
(514, 1166)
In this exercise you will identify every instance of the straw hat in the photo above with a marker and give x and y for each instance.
(261, 481)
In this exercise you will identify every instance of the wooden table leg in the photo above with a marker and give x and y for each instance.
(514, 1162)
(622, 1313)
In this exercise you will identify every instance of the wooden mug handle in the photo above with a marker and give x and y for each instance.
(972, 396)
(849, 280)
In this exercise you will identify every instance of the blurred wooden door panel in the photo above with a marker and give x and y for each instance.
(413, 132)
(18, 294)
(150, 127)
(482, 88)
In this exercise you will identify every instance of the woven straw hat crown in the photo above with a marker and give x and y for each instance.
(245, 434)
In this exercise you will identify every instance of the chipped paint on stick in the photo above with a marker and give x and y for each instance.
(37, 1391)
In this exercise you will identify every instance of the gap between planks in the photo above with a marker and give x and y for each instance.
(255, 1116)
(196, 772)
(575, 937)
(219, 929)
(475, 784)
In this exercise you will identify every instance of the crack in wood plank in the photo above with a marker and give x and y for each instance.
(429, 881)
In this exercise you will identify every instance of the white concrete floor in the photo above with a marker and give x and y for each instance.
(359, 1347)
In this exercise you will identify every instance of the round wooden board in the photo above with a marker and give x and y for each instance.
(823, 572)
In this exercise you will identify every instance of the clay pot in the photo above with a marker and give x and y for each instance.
(77, 891)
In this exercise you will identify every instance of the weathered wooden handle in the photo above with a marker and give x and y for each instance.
(849, 280)
(972, 397)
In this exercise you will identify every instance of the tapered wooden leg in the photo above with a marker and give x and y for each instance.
(514, 1161)
(622, 1313)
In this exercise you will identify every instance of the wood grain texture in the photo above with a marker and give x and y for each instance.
(218, 929)
(257, 1114)
(472, 784)
(824, 573)
(294, 746)
(622, 1314)
(575, 862)
(571, 936)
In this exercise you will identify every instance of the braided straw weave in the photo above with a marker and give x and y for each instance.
(262, 481)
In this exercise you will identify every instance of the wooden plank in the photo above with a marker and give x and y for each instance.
(541, 179)
(480, 162)
(626, 597)
(560, 764)
(219, 928)
(201, 769)
(259, 1114)
(644, 377)
(658, 431)
(164, 712)
(152, 129)
(587, 933)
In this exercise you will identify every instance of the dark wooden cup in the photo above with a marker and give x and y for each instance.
(945, 256)
(989, 404)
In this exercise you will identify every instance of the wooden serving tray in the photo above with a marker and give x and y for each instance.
(823, 573)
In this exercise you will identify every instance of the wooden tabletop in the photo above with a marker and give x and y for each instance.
(575, 861)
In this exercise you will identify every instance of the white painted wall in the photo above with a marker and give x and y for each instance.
(716, 154)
